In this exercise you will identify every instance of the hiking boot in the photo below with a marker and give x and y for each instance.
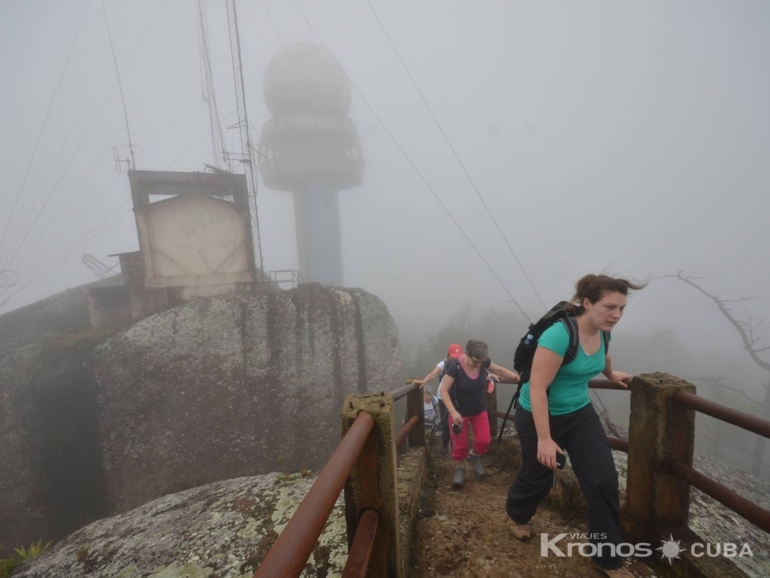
(475, 463)
(444, 451)
(459, 479)
(519, 531)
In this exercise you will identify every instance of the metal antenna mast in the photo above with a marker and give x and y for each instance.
(209, 95)
(247, 157)
(120, 85)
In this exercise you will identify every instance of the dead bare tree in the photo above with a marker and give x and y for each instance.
(747, 331)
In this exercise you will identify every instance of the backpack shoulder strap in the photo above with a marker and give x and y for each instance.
(574, 338)
(446, 362)
(446, 367)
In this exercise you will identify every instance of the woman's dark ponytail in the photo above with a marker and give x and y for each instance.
(594, 287)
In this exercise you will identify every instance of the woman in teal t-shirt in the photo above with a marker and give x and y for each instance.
(555, 414)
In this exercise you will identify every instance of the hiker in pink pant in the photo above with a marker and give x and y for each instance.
(462, 389)
(481, 437)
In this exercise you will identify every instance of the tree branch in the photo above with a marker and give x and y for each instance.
(719, 303)
(717, 381)
(740, 392)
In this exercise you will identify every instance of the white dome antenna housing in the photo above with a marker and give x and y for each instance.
(311, 148)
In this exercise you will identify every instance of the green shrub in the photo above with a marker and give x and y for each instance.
(8, 565)
(34, 550)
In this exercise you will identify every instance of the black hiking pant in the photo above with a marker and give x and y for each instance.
(581, 435)
(444, 414)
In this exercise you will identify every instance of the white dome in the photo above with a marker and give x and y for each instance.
(305, 78)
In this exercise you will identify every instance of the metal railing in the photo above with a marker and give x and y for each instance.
(295, 543)
(290, 552)
(722, 494)
(413, 429)
(738, 504)
(286, 277)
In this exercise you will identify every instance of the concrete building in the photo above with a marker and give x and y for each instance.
(195, 240)
(312, 149)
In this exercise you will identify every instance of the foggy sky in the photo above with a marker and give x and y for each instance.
(625, 137)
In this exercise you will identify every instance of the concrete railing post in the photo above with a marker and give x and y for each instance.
(372, 483)
(660, 431)
(414, 406)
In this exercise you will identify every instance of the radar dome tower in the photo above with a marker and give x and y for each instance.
(311, 148)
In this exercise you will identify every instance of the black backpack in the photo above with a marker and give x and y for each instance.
(525, 351)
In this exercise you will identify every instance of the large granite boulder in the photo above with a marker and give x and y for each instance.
(237, 385)
(220, 388)
(222, 530)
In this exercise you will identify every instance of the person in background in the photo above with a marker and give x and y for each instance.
(555, 414)
(430, 412)
(463, 389)
(453, 352)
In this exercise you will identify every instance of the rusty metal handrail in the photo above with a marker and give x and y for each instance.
(738, 504)
(361, 549)
(402, 391)
(500, 414)
(742, 419)
(405, 431)
(594, 384)
(618, 444)
(606, 384)
(289, 554)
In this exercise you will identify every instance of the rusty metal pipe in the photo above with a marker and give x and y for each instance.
(742, 419)
(723, 495)
(404, 432)
(402, 391)
(289, 554)
(358, 556)
(618, 444)
(500, 414)
(605, 384)
(594, 383)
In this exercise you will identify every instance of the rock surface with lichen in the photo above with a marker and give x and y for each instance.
(717, 524)
(222, 530)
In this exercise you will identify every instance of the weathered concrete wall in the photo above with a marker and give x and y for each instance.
(236, 385)
(109, 306)
(195, 240)
(222, 530)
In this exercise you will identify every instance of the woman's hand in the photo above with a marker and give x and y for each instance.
(622, 379)
(457, 418)
(546, 453)
(420, 382)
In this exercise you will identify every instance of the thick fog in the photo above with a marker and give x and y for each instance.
(628, 138)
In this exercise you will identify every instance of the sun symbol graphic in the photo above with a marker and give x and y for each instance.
(670, 549)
